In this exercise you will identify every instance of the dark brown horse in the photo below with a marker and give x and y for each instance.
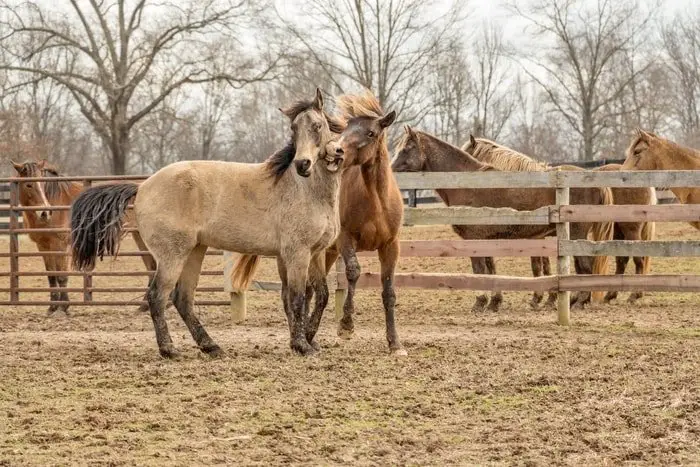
(44, 195)
(421, 152)
(371, 206)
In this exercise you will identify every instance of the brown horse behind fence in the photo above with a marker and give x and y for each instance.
(651, 152)
(44, 194)
(631, 230)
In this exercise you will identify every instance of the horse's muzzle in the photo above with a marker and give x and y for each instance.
(45, 215)
(303, 167)
(335, 155)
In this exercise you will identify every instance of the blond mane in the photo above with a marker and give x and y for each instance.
(504, 158)
(359, 105)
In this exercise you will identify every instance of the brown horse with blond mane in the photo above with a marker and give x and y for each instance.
(648, 151)
(42, 195)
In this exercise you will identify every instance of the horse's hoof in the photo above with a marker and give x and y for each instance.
(144, 308)
(494, 307)
(303, 348)
(345, 333)
(314, 344)
(400, 352)
(169, 353)
(214, 351)
(478, 308)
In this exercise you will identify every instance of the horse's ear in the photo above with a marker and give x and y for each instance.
(472, 140)
(287, 112)
(409, 131)
(17, 166)
(387, 119)
(318, 100)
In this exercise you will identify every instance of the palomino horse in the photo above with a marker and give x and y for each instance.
(254, 209)
(631, 230)
(421, 152)
(45, 195)
(371, 208)
(504, 158)
(651, 152)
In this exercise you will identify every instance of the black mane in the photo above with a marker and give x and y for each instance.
(278, 163)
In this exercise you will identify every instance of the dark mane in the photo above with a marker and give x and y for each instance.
(334, 124)
(278, 163)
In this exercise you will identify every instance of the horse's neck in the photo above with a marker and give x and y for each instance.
(378, 179)
(443, 157)
(325, 184)
(64, 193)
(681, 159)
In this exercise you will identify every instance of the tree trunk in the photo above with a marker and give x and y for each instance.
(587, 137)
(119, 147)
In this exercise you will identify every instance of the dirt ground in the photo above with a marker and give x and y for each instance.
(619, 386)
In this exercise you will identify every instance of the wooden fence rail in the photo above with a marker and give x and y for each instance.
(559, 216)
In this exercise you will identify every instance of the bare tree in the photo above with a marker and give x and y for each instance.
(574, 68)
(491, 77)
(681, 41)
(111, 51)
(387, 46)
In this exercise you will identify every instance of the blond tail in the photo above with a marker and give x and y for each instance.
(243, 271)
(649, 233)
(602, 231)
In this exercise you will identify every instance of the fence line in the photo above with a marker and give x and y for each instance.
(559, 215)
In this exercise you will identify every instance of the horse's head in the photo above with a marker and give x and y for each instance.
(364, 136)
(311, 133)
(32, 193)
(643, 152)
(409, 154)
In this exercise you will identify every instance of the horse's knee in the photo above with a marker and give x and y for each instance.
(352, 271)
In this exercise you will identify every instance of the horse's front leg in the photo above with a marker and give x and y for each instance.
(388, 257)
(536, 265)
(346, 327)
(54, 295)
(479, 267)
(61, 265)
(547, 271)
(582, 265)
(296, 263)
(317, 279)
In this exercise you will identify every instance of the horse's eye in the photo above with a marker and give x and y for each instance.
(27, 185)
(370, 133)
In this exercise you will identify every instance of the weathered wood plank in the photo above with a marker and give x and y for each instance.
(563, 261)
(630, 248)
(458, 282)
(553, 179)
(464, 215)
(630, 213)
(467, 248)
(631, 283)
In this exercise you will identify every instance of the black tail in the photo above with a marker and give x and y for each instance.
(96, 222)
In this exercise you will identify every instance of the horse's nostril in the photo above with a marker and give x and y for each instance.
(339, 151)
(305, 164)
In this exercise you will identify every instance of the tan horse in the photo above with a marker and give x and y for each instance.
(254, 209)
(505, 158)
(631, 230)
(44, 195)
(651, 152)
(420, 152)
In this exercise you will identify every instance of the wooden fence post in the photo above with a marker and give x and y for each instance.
(563, 262)
(14, 242)
(238, 297)
(87, 277)
(340, 290)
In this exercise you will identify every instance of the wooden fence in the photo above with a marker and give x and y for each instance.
(561, 214)
(561, 246)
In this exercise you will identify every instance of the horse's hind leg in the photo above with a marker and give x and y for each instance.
(479, 267)
(388, 256)
(620, 264)
(582, 265)
(183, 299)
(163, 283)
(536, 265)
(497, 296)
(547, 271)
(150, 264)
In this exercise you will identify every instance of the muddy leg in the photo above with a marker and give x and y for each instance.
(346, 327)
(317, 277)
(163, 283)
(620, 266)
(297, 264)
(497, 296)
(479, 267)
(536, 265)
(583, 265)
(284, 294)
(62, 265)
(183, 299)
(54, 295)
(547, 271)
(388, 257)
(150, 264)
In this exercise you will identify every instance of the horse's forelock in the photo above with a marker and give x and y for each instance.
(359, 105)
